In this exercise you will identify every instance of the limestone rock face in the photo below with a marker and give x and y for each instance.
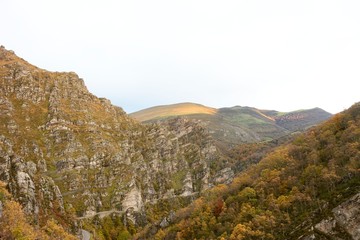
(226, 175)
(133, 202)
(26, 188)
(165, 222)
(327, 226)
(346, 218)
(21, 182)
(62, 146)
(347, 215)
(188, 185)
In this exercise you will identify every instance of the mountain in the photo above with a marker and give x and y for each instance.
(238, 124)
(68, 155)
(301, 119)
(73, 164)
(305, 189)
(166, 111)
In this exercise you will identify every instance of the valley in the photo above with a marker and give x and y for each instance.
(73, 164)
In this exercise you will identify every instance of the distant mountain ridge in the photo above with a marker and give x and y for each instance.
(180, 109)
(238, 124)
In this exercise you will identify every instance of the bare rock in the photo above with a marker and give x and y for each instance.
(26, 191)
(345, 220)
(133, 200)
(226, 176)
(187, 186)
(347, 215)
(327, 226)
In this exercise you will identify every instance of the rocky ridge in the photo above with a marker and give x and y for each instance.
(63, 150)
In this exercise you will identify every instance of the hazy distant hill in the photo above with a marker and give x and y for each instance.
(180, 109)
(302, 119)
(238, 124)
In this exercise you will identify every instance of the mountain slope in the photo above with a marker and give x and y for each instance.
(160, 112)
(306, 189)
(238, 124)
(302, 119)
(67, 155)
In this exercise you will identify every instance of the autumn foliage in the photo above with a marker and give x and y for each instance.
(15, 224)
(280, 197)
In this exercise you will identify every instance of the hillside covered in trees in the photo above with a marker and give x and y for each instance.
(289, 194)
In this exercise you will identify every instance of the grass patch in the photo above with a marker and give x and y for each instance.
(177, 180)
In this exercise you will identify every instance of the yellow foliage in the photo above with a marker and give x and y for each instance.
(244, 232)
(160, 235)
(13, 223)
(55, 231)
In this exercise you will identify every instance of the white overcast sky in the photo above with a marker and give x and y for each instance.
(282, 55)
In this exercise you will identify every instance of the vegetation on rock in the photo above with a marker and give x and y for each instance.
(286, 194)
(14, 224)
(72, 161)
(67, 155)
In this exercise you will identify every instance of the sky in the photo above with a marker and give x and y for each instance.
(283, 55)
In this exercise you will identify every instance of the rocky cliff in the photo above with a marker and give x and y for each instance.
(64, 150)
(343, 222)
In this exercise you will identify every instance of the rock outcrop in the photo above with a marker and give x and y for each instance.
(341, 223)
(345, 219)
(64, 150)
